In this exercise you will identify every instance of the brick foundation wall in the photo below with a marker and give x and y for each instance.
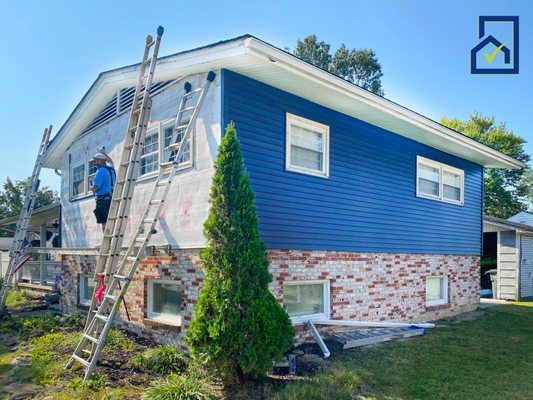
(363, 286)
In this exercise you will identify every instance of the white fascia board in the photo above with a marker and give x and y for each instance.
(494, 158)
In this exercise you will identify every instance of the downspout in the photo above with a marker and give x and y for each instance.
(318, 339)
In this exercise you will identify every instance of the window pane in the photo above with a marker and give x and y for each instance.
(166, 298)
(307, 148)
(451, 185)
(186, 155)
(452, 193)
(306, 158)
(78, 176)
(148, 164)
(87, 290)
(150, 143)
(434, 289)
(91, 170)
(428, 180)
(451, 179)
(303, 299)
(306, 138)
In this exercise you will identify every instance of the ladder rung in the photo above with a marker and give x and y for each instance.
(111, 297)
(121, 277)
(193, 92)
(153, 202)
(130, 258)
(162, 183)
(148, 220)
(88, 352)
(174, 145)
(137, 111)
(92, 339)
(140, 240)
(101, 317)
(187, 109)
(81, 360)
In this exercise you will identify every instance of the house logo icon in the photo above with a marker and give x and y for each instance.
(497, 51)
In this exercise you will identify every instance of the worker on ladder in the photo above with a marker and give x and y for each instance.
(102, 185)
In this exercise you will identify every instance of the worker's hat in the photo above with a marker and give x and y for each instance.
(99, 156)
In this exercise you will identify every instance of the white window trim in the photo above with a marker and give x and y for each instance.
(444, 299)
(84, 180)
(166, 318)
(304, 318)
(292, 119)
(441, 167)
(82, 290)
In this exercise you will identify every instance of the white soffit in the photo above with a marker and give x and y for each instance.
(265, 63)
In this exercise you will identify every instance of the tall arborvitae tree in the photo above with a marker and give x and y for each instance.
(239, 328)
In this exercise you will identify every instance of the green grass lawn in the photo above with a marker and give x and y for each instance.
(490, 357)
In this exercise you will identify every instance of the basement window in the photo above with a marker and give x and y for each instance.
(164, 301)
(307, 147)
(436, 290)
(86, 289)
(304, 300)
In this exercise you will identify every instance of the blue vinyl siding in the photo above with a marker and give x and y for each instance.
(369, 201)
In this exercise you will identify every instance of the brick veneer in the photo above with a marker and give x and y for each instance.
(363, 286)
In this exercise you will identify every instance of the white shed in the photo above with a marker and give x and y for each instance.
(511, 244)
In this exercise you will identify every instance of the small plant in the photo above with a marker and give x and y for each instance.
(96, 382)
(17, 297)
(161, 360)
(180, 387)
(118, 341)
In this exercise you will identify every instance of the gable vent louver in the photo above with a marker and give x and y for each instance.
(121, 103)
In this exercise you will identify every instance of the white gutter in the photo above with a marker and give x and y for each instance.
(321, 77)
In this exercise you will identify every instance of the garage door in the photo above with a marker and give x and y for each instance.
(526, 267)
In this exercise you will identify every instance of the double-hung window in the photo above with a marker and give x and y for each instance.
(307, 146)
(78, 180)
(306, 299)
(150, 153)
(439, 181)
(436, 290)
(156, 148)
(164, 301)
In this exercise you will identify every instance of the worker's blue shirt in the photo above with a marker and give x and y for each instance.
(103, 180)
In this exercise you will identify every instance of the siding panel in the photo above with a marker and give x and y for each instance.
(369, 201)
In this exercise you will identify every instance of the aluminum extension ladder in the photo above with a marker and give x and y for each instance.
(93, 339)
(127, 170)
(17, 256)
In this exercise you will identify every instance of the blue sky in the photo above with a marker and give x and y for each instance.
(53, 51)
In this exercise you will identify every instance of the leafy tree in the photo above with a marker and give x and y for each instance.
(12, 197)
(359, 66)
(314, 52)
(239, 327)
(506, 191)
